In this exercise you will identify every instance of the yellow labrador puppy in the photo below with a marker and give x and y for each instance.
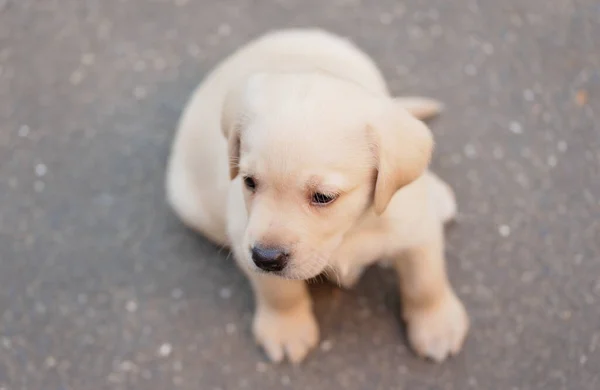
(293, 154)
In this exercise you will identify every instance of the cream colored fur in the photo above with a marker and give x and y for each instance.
(304, 111)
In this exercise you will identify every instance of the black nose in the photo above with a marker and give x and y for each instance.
(269, 259)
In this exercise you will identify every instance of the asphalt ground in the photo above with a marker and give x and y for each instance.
(101, 287)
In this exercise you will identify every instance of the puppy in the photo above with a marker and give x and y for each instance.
(293, 154)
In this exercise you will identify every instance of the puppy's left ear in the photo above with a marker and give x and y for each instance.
(403, 148)
(231, 126)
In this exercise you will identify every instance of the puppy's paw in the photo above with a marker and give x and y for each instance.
(290, 333)
(438, 332)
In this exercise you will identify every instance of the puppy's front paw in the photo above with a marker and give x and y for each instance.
(291, 333)
(438, 332)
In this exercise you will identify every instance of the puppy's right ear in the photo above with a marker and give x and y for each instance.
(231, 126)
(403, 146)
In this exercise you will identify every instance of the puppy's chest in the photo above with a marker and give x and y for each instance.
(349, 273)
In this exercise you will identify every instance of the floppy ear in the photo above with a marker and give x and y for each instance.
(403, 147)
(231, 126)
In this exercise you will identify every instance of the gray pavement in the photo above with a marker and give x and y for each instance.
(102, 288)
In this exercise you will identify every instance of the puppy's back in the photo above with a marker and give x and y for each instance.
(304, 50)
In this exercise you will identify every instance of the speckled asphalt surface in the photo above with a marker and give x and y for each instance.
(102, 288)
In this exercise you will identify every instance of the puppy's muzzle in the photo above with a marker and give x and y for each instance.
(269, 259)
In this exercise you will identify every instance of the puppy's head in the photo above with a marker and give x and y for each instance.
(314, 154)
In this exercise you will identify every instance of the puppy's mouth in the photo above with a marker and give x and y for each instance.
(289, 272)
(280, 274)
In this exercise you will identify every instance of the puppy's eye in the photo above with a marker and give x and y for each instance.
(250, 183)
(321, 199)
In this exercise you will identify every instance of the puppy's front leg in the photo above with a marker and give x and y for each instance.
(437, 321)
(284, 323)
